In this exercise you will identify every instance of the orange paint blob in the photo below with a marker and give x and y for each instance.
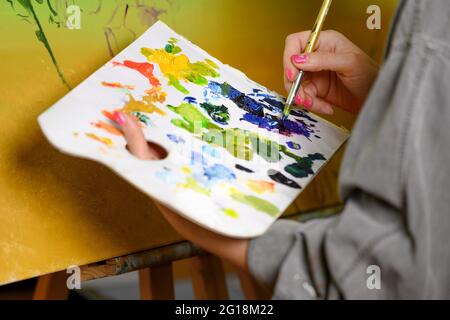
(117, 85)
(144, 68)
(107, 127)
(260, 186)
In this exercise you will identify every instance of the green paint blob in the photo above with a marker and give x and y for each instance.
(303, 167)
(231, 213)
(219, 114)
(173, 81)
(193, 120)
(255, 202)
(194, 185)
(171, 46)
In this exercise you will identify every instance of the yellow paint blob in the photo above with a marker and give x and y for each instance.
(106, 141)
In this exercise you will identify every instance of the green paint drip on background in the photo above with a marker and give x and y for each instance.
(26, 4)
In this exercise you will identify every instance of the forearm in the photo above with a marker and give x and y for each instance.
(232, 250)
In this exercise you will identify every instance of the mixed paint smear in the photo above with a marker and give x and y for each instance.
(241, 144)
(201, 177)
(255, 110)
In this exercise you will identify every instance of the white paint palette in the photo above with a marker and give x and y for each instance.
(232, 166)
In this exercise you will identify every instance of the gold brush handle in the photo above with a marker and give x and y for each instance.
(309, 48)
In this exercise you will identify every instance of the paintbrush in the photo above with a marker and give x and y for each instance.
(309, 48)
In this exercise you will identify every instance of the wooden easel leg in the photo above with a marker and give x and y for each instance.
(52, 287)
(208, 278)
(252, 290)
(156, 283)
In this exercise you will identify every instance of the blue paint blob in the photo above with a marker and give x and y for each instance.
(219, 173)
(197, 159)
(294, 146)
(210, 151)
(190, 100)
(266, 122)
(169, 177)
(176, 139)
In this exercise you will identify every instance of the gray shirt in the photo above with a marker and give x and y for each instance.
(395, 181)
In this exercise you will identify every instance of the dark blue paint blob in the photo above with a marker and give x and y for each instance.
(275, 103)
(304, 115)
(242, 168)
(190, 100)
(255, 110)
(240, 99)
(285, 127)
(266, 122)
(294, 146)
(289, 126)
(281, 178)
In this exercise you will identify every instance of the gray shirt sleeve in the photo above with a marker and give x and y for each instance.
(395, 181)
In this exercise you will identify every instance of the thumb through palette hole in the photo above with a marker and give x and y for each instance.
(159, 152)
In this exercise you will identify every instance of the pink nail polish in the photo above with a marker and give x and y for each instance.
(308, 103)
(302, 58)
(120, 118)
(298, 100)
(289, 74)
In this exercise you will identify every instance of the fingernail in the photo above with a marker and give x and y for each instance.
(298, 100)
(120, 118)
(308, 103)
(300, 58)
(289, 74)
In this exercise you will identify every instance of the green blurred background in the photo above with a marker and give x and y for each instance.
(57, 210)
